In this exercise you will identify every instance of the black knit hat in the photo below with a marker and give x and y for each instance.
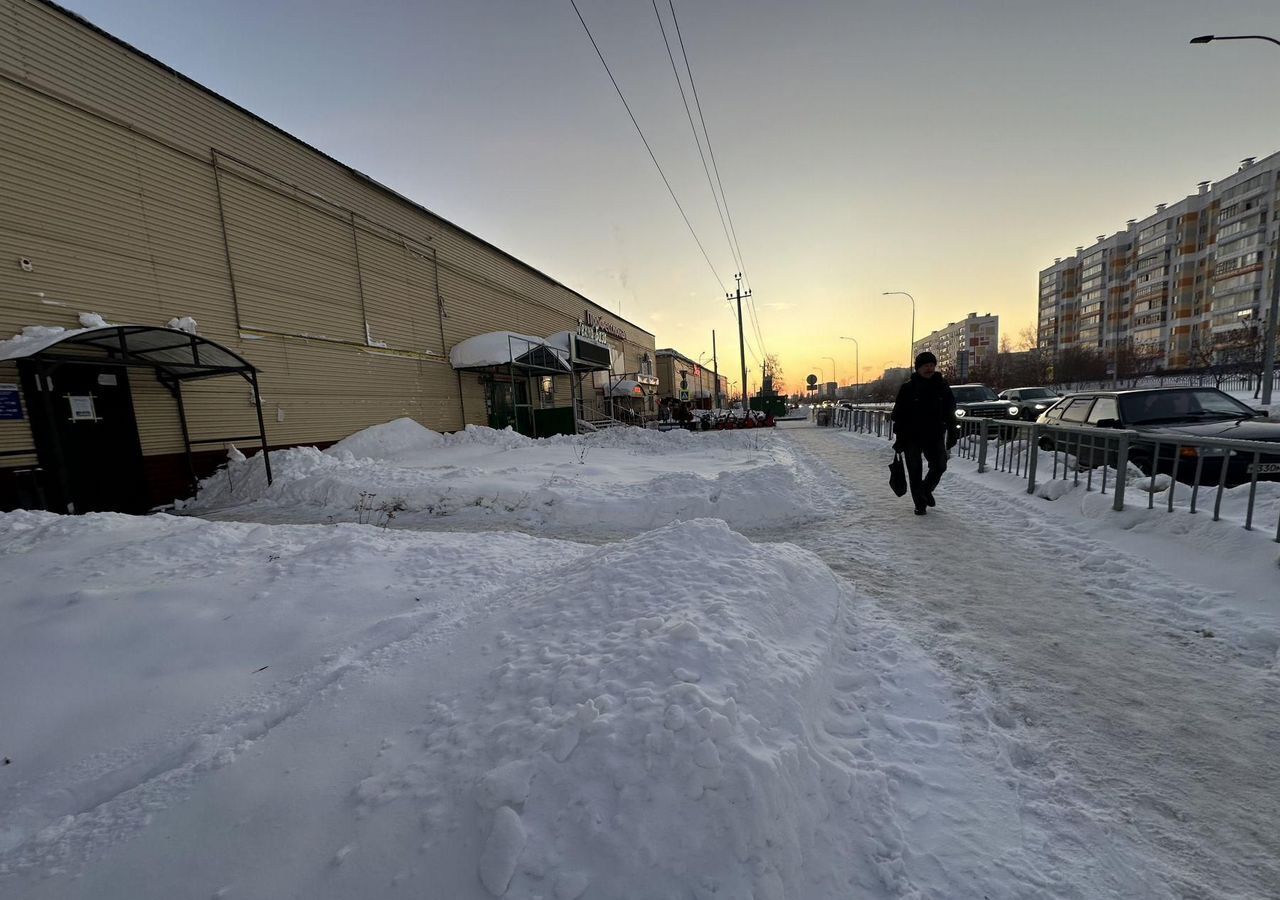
(925, 358)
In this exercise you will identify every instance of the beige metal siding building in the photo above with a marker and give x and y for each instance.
(682, 378)
(133, 193)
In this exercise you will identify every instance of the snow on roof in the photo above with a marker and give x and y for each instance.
(496, 348)
(147, 343)
(35, 338)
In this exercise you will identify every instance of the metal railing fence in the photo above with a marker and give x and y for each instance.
(1100, 457)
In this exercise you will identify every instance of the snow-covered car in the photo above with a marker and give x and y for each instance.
(1165, 416)
(1032, 400)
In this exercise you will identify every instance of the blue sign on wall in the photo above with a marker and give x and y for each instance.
(10, 402)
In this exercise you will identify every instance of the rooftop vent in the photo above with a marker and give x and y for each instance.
(1057, 259)
(1246, 163)
(1079, 249)
(1130, 223)
(1102, 237)
(1202, 187)
(1160, 207)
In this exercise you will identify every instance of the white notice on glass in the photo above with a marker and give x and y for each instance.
(82, 408)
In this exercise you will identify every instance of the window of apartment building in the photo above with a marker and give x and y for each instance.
(1243, 225)
(1236, 246)
(1235, 284)
(1239, 262)
(1244, 187)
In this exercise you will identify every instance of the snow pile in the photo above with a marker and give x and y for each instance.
(616, 482)
(177, 641)
(351, 711)
(184, 323)
(389, 440)
(92, 320)
(680, 736)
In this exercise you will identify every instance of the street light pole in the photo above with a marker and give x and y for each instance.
(822, 378)
(857, 366)
(911, 357)
(1273, 314)
(834, 376)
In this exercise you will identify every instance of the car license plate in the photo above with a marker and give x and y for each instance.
(1264, 469)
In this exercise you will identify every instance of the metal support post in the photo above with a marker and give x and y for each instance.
(1122, 472)
(262, 428)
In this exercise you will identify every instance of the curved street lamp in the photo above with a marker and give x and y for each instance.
(1206, 38)
(822, 376)
(1273, 316)
(834, 376)
(912, 355)
(857, 366)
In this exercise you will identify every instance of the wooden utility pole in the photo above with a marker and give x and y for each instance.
(742, 345)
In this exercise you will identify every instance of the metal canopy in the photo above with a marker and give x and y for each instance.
(179, 354)
(175, 356)
(498, 350)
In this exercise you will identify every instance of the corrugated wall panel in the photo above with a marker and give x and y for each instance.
(68, 280)
(10, 51)
(192, 118)
(294, 267)
(399, 295)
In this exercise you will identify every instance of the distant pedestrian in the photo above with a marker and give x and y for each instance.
(923, 417)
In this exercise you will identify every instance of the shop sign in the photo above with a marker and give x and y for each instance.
(592, 320)
(10, 402)
(592, 333)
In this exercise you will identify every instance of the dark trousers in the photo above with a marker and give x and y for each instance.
(919, 449)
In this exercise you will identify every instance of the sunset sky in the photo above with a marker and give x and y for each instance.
(948, 149)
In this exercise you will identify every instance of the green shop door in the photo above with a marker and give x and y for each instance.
(508, 406)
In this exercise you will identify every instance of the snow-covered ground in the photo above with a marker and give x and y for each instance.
(1009, 698)
(612, 483)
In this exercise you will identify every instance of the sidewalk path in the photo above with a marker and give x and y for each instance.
(1123, 714)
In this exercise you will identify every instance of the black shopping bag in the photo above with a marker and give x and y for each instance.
(898, 475)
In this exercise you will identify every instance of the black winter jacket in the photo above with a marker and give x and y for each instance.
(925, 408)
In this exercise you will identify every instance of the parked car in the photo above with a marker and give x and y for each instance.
(1167, 416)
(1032, 400)
(980, 401)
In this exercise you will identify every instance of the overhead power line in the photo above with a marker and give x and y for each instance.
(697, 142)
(707, 134)
(736, 247)
(652, 156)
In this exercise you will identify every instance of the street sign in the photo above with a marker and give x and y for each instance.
(812, 380)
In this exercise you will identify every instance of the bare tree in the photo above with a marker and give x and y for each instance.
(773, 367)
(1029, 338)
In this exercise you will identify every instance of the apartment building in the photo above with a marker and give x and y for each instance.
(1176, 288)
(963, 346)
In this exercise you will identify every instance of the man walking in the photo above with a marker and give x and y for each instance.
(923, 416)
